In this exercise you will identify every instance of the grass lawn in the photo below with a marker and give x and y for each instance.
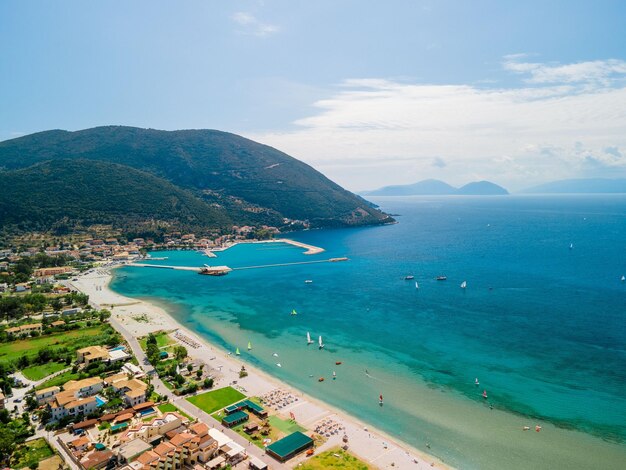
(73, 339)
(167, 407)
(216, 399)
(162, 340)
(285, 425)
(43, 370)
(58, 380)
(334, 458)
(31, 453)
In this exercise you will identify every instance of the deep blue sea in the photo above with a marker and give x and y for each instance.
(541, 324)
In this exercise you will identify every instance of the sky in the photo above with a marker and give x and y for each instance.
(371, 93)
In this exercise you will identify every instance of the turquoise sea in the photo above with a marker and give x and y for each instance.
(540, 324)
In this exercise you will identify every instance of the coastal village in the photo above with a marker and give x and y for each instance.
(89, 380)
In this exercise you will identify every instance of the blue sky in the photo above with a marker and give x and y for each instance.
(370, 93)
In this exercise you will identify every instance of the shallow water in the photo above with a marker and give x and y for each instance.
(541, 325)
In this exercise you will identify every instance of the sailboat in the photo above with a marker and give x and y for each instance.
(293, 312)
(485, 394)
(320, 342)
(249, 345)
(476, 382)
(417, 285)
(308, 338)
(463, 284)
(237, 352)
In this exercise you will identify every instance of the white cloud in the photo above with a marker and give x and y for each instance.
(568, 124)
(252, 26)
(602, 72)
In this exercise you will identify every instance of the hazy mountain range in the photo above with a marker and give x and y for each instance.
(582, 185)
(436, 187)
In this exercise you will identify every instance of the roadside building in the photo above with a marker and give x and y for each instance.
(92, 354)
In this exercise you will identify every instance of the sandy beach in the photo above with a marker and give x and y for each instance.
(140, 317)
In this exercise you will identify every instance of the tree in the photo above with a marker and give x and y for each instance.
(7, 443)
(189, 367)
(153, 353)
(208, 382)
(151, 339)
(180, 352)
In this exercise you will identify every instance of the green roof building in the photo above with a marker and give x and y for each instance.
(289, 446)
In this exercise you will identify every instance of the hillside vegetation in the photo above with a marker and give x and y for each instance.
(251, 182)
(61, 194)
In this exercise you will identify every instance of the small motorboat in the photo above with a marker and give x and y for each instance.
(337, 363)
(279, 364)
(308, 281)
(321, 379)
(380, 400)
(334, 375)
(441, 278)
(537, 428)
(409, 278)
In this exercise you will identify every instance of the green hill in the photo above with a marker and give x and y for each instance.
(250, 180)
(63, 194)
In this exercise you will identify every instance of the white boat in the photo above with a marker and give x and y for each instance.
(320, 342)
(308, 338)
(279, 364)
(417, 285)
(275, 354)
(463, 284)
(571, 246)
(334, 375)
(476, 382)
(308, 281)
(623, 278)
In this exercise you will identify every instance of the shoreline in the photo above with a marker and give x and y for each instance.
(372, 445)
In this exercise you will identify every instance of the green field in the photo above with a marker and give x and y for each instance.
(58, 380)
(167, 407)
(74, 339)
(334, 458)
(31, 453)
(162, 340)
(285, 425)
(216, 399)
(43, 370)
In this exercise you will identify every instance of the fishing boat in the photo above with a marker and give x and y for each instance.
(237, 352)
(485, 394)
(308, 338)
(293, 312)
(464, 285)
(321, 344)
(380, 400)
(249, 345)
(441, 278)
(417, 285)
(409, 278)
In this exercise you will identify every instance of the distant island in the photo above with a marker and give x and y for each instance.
(581, 186)
(152, 182)
(431, 187)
